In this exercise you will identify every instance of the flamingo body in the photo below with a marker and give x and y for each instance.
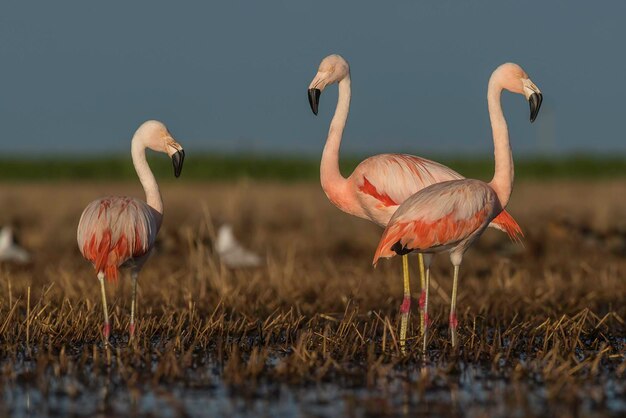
(115, 232)
(444, 216)
(381, 183)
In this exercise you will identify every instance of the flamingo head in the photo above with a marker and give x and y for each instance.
(513, 78)
(332, 69)
(158, 138)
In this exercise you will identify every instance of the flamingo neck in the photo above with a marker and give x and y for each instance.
(332, 180)
(502, 182)
(150, 186)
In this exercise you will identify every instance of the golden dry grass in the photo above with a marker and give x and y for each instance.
(548, 315)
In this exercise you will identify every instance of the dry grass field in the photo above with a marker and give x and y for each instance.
(314, 331)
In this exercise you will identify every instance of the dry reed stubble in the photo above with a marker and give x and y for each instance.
(550, 313)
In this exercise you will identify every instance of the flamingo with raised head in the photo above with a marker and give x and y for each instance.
(380, 183)
(116, 231)
(450, 216)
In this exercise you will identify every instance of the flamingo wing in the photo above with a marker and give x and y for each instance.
(114, 230)
(393, 178)
(439, 216)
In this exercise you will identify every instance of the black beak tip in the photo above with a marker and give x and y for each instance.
(535, 100)
(314, 99)
(177, 161)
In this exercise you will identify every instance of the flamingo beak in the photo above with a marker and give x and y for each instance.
(177, 160)
(314, 99)
(534, 100)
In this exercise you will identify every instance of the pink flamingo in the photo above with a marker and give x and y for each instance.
(380, 183)
(450, 216)
(116, 231)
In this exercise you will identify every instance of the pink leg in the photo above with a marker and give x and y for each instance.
(406, 305)
(106, 329)
(133, 303)
(424, 304)
(454, 323)
(422, 259)
(422, 300)
(423, 313)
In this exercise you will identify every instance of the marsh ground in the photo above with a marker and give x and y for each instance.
(314, 331)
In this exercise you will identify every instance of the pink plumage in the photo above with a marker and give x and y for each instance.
(450, 216)
(446, 210)
(382, 182)
(119, 231)
(115, 232)
(379, 184)
(440, 217)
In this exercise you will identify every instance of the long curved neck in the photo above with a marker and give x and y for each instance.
(502, 182)
(150, 186)
(330, 176)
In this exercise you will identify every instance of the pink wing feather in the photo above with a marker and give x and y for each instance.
(399, 176)
(393, 178)
(439, 216)
(114, 230)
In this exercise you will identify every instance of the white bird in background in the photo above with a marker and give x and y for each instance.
(231, 253)
(9, 250)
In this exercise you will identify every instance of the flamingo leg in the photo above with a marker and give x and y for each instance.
(133, 303)
(426, 320)
(453, 320)
(106, 330)
(406, 304)
(420, 257)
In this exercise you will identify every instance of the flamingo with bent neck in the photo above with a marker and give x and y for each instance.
(380, 183)
(450, 216)
(115, 232)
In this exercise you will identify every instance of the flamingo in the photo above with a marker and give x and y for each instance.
(120, 231)
(451, 215)
(380, 183)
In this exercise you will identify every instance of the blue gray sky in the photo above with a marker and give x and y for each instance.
(77, 77)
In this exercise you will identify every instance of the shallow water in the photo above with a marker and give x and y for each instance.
(466, 390)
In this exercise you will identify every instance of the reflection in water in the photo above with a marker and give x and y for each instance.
(470, 390)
